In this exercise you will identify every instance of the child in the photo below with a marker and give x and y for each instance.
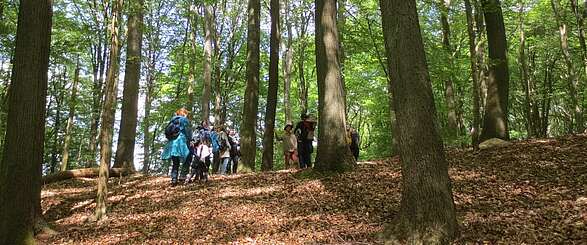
(201, 161)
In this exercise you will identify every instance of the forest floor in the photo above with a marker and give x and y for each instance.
(531, 192)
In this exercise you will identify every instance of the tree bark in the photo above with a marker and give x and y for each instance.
(579, 16)
(270, 111)
(108, 111)
(251, 100)
(288, 65)
(333, 153)
(573, 77)
(70, 118)
(495, 120)
(20, 168)
(207, 62)
(427, 212)
(132, 76)
(475, 75)
(192, 63)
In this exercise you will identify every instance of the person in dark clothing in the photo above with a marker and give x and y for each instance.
(353, 139)
(234, 151)
(304, 132)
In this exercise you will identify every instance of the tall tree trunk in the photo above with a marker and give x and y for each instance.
(70, 118)
(192, 63)
(427, 212)
(449, 90)
(208, 18)
(525, 76)
(580, 16)
(273, 87)
(474, 74)
(302, 83)
(97, 101)
(132, 75)
(341, 24)
(108, 111)
(333, 153)
(573, 77)
(59, 87)
(495, 120)
(251, 100)
(288, 65)
(20, 168)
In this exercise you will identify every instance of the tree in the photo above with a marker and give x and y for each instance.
(108, 110)
(475, 74)
(20, 168)
(333, 152)
(208, 19)
(287, 64)
(495, 119)
(69, 127)
(273, 87)
(449, 90)
(572, 75)
(427, 213)
(128, 124)
(251, 100)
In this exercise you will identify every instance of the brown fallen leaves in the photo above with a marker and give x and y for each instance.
(531, 192)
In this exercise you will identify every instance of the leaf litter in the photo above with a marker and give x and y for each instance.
(531, 192)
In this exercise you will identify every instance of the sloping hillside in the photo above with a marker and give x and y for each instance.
(530, 192)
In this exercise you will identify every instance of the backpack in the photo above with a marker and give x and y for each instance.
(214, 141)
(223, 144)
(172, 129)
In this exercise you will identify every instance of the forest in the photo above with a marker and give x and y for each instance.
(469, 118)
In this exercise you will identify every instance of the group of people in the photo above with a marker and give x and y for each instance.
(219, 147)
(197, 151)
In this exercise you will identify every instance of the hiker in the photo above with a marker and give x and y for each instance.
(177, 132)
(214, 143)
(234, 151)
(304, 132)
(201, 161)
(290, 147)
(353, 141)
(223, 150)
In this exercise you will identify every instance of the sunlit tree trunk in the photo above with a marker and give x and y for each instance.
(495, 120)
(273, 87)
(302, 83)
(572, 75)
(108, 111)
(22, 158)
(333, 153)
(251, 99)
(427, 213)
(208, 18)
(132, 76)
(99, 66)
(474, 73)
(70, 118)
(524, 70)
(192, 62)
(288, 65)
(59, 87)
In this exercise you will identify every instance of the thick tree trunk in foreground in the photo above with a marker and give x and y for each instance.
(333, 153)
(82, 173)
(495, 120)
(251, 100)
(427, 213)
(108, 110)
(69, 127)
(20, 168)
(132, 75)
(270, 111)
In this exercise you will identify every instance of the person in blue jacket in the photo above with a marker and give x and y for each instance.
(178, 147)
